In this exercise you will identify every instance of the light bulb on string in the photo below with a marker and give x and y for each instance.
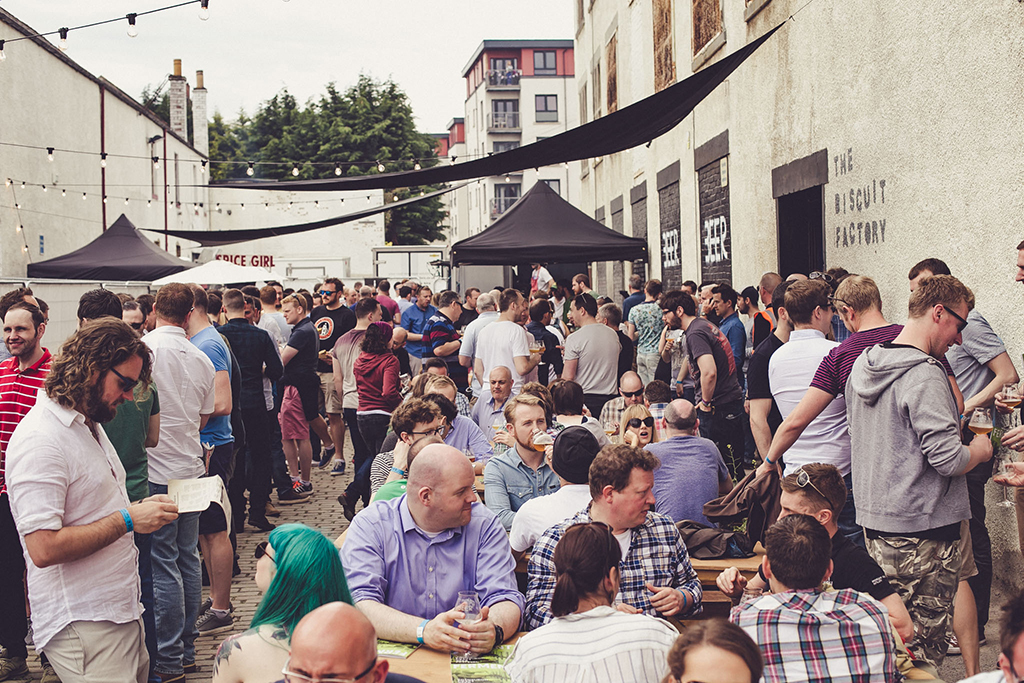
(156, 162)
(149, 202)
(202, 168)
(44, 187)
(104, 199)
(508, 178)
(133, 30)
(394, 197)
(126, 201)
(251, 170)
(453, 159)
(295, 171)
(3, 55)
(23, 184)
(17, 205)
(103, 159)
(63, 44)
(204, 9)
(416, 166)
(49, 153)
(84, 196)
(242, 207)
(218, 207)
(63, 193)
(24, 249)
(266, 206)
(7, 182)
(337, 170)
(380, 167)
(20, 228)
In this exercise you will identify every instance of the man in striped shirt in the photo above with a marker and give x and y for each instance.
(21, 377)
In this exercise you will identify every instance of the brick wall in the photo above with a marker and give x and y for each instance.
(715, 226)
(671, 250)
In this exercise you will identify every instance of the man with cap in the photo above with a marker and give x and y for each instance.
(570, 458)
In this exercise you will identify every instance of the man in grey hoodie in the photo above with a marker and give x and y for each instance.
(909, 461)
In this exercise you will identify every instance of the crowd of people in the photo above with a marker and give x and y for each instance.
(554, 430)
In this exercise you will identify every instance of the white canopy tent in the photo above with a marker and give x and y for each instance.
(221, 273)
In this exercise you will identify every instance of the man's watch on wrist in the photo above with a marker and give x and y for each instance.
(499, 636)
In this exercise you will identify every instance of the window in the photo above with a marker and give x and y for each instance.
(503, 63)
(611, 84)
(664, 60)
(500, 147)
(707, 22)
(544, 63)
(583, 102)
(547, 107)
(505, 114)
(555, 185)
(595, 83)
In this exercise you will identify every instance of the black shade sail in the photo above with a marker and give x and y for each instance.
(629, 127)
(544, 228)
(121, 253)
(218, 238)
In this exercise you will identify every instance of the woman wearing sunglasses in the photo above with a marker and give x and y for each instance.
(297, 569)
(636, 428)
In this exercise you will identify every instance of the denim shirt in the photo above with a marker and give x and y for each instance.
(509, 482)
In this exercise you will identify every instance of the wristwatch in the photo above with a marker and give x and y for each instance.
(499, 636)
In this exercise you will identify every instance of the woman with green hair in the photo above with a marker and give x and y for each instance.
(298, 570)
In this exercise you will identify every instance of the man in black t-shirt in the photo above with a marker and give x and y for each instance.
(765, 417)
(331, 320)
(819, 491)
(718, 393)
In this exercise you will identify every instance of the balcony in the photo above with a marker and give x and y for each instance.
(503, 79)
(500, 205)
(503, 122)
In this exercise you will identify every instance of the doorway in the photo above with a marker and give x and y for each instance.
(801, 231)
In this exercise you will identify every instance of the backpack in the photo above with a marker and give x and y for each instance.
(709, 543)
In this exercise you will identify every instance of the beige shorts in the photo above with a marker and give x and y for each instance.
(967, 566)
(332, 404)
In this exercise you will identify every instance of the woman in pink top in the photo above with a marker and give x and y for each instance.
(376, 371)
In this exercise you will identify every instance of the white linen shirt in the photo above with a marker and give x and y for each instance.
(537, 515)
(185, 376)
(60, 475)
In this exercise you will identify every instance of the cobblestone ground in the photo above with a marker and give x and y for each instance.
(322, 512)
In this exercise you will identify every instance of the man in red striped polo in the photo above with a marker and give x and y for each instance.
(21, 377)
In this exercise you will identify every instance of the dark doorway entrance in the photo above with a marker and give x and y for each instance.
(801, 218)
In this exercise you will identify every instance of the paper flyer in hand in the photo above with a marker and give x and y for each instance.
(195, 495)
(393, 650)
(488, 668)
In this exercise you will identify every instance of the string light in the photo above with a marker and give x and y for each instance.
(337, 170)
(242, 207)
(156, 162)
(24, 249)
(126, 201)
(49, 153)
(204, 9)
(133, 30)
(84, 196)
(380, 167)
(19, 228)
(44, 187)
(149, 202)
(63, 45)
(416, 166)
(508, 178)
(453, 159)
(23, 184)
(104, 199)
(7, 182)
(17, 205)
(103, 159)
(202, 168)
(266, 206)
(251, 170)
(295, 171)
(63, 193)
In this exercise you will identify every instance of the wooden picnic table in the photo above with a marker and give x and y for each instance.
(428, 665)
(708, 570)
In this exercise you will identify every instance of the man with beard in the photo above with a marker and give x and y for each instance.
(72, 511)
(21, 377)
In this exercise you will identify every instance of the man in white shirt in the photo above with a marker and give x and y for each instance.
(790, 371)
(487, 308)
(591, 354)
(570, 457)
(505, 342)
(186, 380)
(68, 499)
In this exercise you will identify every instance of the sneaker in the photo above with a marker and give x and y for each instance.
(261, 522)
(205, 607)
(953, 645)
(290, 497)
(49, 675)
(326, 457)
(348, 507)
(211, 623)
(169, 678)
(272, 511)
(190, 668)
(338, 469)
(303, 489)
(13, 667)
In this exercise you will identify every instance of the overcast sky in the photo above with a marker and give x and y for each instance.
(251, 49)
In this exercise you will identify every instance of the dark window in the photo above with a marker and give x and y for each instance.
(502, 63)
(544, 63)
(555, 185)
(504, 146)
(707, 22)
(547, 107)
(612, 86)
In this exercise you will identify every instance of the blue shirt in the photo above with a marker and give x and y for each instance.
(390, 560)
(415, 320)
(486, 414)
(509, 482)
(218, 429)
(630, 301)
(691, 470)
(466, 436)
(734, 331)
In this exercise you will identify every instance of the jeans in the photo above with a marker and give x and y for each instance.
(177, 589)
(847, 520)
(981, 584)
(144, 544)
(13, 619)
(259, 437)
(724, 426)
(361, 461)
(373, 428)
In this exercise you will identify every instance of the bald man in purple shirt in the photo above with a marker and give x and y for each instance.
(407, 559)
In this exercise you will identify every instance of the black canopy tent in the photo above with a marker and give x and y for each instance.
(544, 228)
(120, 253)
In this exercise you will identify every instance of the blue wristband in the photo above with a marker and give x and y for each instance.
(420, 629)
(127, 520)
(399, 472)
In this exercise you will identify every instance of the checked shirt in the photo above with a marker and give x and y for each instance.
(656, 555)
(813, 635)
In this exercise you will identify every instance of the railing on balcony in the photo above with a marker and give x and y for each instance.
(503, 79)
(500, 205)
(503, 121)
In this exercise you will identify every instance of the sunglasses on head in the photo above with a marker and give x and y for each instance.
(818, 275)
(803, 480)
(636, 422)
(261, 550)
(127, 383)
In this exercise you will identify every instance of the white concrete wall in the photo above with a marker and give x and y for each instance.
(925, 98)
(49, 102)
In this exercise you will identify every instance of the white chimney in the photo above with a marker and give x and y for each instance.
(179, 116)
(200, 126)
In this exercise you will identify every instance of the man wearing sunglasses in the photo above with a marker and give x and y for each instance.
(331, 320)
(631, 393)
(908, 459)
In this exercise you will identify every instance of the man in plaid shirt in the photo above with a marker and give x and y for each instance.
(809, 634)
(655, 573)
